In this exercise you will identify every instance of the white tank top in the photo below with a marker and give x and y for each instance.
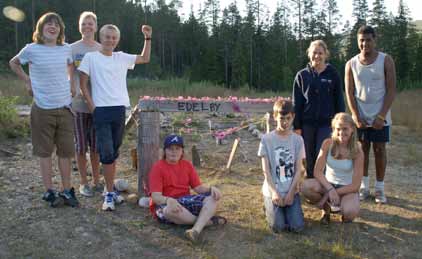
(338, 171)
(370, 88)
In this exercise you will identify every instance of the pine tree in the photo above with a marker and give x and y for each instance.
(360, 14)
(401, 47)
(309, 19)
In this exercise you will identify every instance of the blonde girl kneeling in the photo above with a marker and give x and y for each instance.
(342, 156)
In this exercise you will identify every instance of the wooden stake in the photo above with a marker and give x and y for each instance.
(134, 156)
(235, 144)
(148, 147)
(196, 160)
(131, 119)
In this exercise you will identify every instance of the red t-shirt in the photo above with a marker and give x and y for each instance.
(172, 180)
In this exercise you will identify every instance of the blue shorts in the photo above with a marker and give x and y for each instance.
(374, 135)
(193, 203)
(109, 123)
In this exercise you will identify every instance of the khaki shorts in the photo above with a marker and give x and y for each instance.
(52, 128)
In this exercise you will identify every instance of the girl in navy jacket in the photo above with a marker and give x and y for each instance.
(317, 96)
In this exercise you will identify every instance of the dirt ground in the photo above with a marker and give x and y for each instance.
(31, 229)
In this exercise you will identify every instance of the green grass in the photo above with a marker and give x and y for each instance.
(11, 125)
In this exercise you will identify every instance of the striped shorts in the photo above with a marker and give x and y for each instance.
(84, 133)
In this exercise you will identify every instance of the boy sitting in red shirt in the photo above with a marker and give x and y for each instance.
(170, 180)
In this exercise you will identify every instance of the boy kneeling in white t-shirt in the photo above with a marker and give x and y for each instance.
(107, 72)
(282, 153)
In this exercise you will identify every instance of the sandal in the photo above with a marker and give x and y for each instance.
(218, 220)
(192, 235)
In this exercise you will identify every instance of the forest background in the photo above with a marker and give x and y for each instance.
(258, 51)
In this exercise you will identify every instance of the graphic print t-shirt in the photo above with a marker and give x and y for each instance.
(282, 153)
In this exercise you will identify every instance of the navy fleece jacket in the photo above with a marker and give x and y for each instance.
(317, 97)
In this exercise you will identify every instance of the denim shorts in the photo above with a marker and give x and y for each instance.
(193, 203)
(337, 186)
(374, 135)
(109, 123)
(284, 218)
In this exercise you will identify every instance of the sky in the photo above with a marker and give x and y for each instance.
(345, 6)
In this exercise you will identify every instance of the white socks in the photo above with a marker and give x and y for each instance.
(365, 183)
(379, 185)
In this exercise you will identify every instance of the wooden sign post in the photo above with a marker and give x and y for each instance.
(149, 123)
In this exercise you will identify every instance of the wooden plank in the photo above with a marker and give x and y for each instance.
(132, 118)
(148, 147)
(214, 105)
(235, 144)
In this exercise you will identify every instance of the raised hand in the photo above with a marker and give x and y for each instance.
(147, 31)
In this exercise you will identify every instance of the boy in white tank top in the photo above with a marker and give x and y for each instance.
(370, 81)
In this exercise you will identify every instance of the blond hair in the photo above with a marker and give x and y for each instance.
(318, 43)
(38, 36)
(110, 27)
(87, 14)
(353, 145)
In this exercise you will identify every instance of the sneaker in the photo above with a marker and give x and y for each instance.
(144, 202)
(53, 198)
(86, 190)
(118, 199)
(69, 197)
(108, 204)
(380, 196)
(363, 194)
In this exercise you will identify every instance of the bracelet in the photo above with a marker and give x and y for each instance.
(329, 190)
(379, 116)
(148, 38)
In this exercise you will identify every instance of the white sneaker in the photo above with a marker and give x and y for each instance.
(118, 199)
(380, 196)
(85, 190)
(363, 194)
(144, 202)
(108, 204)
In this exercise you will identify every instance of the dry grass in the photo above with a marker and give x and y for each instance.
(393, 230)
(406, 109)
(12, 86)
(388, 231)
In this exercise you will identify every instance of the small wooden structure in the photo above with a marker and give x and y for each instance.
(149, 123)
